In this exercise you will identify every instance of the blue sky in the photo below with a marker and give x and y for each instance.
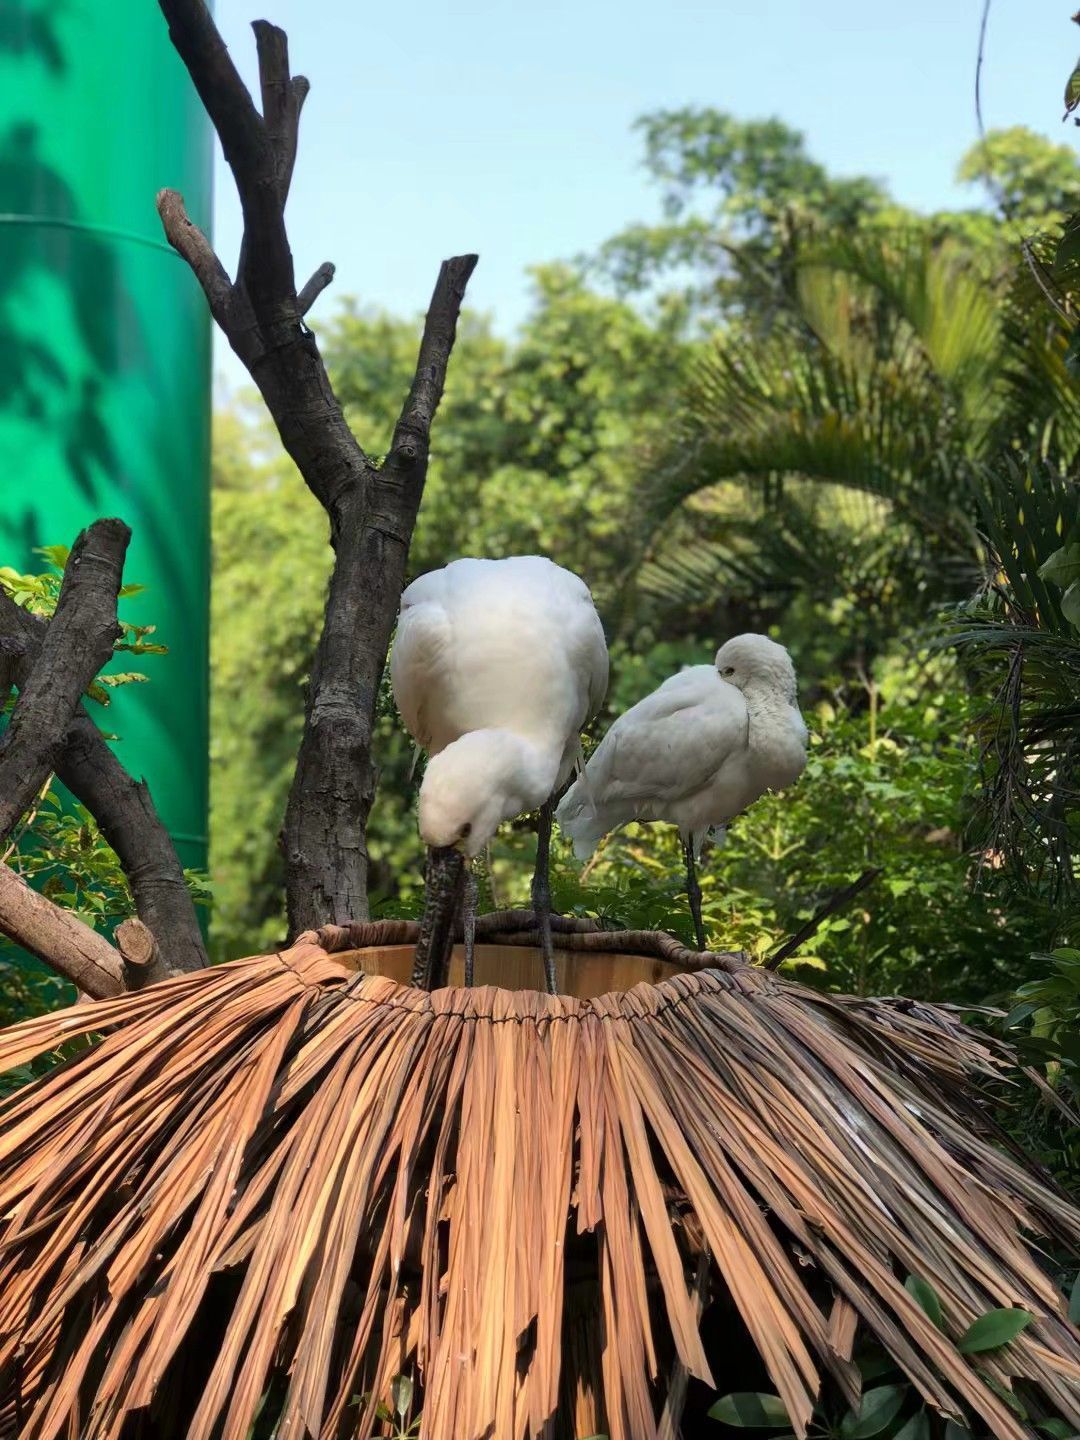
(504, 126)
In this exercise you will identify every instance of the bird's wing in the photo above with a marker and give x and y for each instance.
(420, 650)
(671, 743)
(589, 657)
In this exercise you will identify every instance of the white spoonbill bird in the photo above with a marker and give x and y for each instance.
(697, 751)
(495, 667)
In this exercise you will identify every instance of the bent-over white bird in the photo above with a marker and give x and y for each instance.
(697, 751)
(495, 667)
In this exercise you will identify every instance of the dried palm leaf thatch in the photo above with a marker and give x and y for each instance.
(272, 1186)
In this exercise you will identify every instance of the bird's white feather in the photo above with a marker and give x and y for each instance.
(695, 752)
(511, 651)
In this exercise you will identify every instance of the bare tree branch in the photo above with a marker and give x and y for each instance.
(372, 511)
(189, 241)
(828, 907)
(78, 642)
(324, 836)
(131, 825)
(315, 286)
(413, 430)
(283, 98)
(58, 938)
(122, 808)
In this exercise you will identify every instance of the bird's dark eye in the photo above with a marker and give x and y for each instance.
(730, 670)
(466, 829)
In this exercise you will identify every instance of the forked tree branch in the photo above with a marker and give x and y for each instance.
(120, 804)
(372, 509)
(78, 642)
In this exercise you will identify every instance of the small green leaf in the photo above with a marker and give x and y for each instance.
(874, 1365)
(1063, 566)
(1074, 1302)
(1070, 604)
(879, 1408)
(1058, 1429)
(956, 1432)
(749, 1410)
(995, 1328)
(1019, 1012)
(927, 1297)
(1068, 250)
(401, 1392)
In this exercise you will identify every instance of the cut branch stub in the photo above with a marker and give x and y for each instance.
(78, 642)
(58, 938)
(140, 954)
(372, 512)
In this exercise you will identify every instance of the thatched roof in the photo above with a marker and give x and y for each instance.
(278, 1179)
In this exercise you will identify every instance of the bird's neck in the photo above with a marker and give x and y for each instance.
(528, 770)
(765, 702)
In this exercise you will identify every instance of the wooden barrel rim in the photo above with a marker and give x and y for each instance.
(518, 927)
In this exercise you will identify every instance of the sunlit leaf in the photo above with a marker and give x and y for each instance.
(401, 1392)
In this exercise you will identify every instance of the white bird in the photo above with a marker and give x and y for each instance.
(495, 667)
(697, 751)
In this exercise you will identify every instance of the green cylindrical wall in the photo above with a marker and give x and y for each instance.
(105, 349)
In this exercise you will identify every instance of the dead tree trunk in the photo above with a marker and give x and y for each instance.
(371, 507)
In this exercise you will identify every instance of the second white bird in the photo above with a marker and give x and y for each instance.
(695, 752)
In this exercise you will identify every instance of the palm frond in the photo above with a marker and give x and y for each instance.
(272, 1186)
(1027, 654)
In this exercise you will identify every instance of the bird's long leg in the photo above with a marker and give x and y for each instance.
(468, 917)
(693, 892)
(541, 892)
(441, 881)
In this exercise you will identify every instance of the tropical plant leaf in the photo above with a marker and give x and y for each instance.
(879, 1408)
(994, 1329)
(917, 1428)
(927, 1297)
(749, 1410)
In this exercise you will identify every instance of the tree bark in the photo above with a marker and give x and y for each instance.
(58, 938)
(372, 509)
(78, 642)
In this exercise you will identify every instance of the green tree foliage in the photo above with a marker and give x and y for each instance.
(1032, 180)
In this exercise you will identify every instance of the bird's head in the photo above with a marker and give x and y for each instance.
(755, 661)
(471, 787)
